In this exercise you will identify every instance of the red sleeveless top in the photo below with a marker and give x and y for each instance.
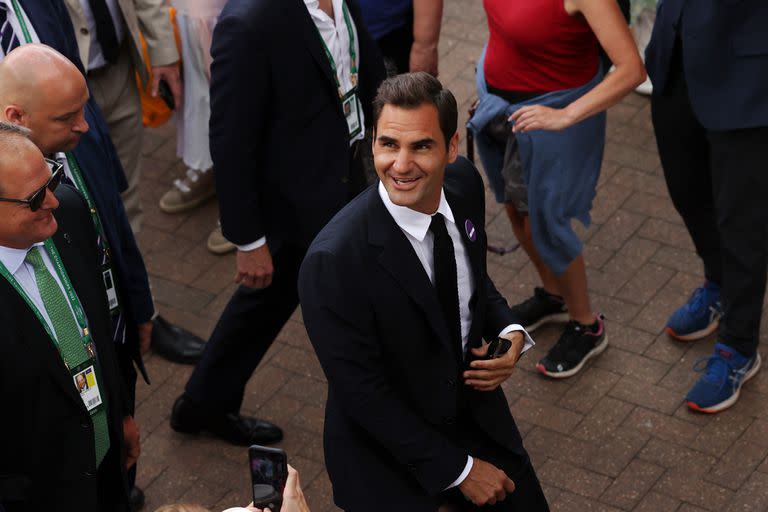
(535, 45)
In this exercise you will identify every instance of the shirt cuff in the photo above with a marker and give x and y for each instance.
(255, 245)
(464, 474)
(529, 343)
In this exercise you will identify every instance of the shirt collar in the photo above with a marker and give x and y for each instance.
(13, 258)
(412, 222)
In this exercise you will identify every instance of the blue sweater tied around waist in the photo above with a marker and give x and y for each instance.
(560, 168)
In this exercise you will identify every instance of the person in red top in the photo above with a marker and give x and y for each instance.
(538, 47)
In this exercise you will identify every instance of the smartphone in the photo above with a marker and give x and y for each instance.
(498, 348)
(269, 471)
(164, 90)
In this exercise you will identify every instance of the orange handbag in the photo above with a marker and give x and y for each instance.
(154, 109)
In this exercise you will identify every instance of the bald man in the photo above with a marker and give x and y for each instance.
(43, 91)
(62, 446)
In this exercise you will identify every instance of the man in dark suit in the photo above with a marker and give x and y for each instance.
(48, 22)
(43, 91)
(708, 61)
(396, 300)
(285, 140)
(61, 448)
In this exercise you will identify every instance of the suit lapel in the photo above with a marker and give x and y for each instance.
(41, 344)
(401, 263)
(314, 43)
(471, 229)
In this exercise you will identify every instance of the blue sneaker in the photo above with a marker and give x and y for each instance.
(724, 373)
(699, 317)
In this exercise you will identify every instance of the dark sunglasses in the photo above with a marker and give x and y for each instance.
(35, 201)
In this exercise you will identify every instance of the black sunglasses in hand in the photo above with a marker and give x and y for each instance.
(35, 201)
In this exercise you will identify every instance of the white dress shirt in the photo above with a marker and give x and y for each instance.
(95, 56)
(415, 226)
(17, 26)
(14, 261)
(336, 37)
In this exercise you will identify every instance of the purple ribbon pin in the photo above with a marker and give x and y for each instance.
(470, 230)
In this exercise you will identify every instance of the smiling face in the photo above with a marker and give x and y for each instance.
(410, 155)
(20, 176)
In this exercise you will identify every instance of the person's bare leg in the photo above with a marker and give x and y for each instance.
(573, 288)
(571, 285)
(521, 227)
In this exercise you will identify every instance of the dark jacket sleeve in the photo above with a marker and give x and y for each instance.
(240, 78)
(341, 326)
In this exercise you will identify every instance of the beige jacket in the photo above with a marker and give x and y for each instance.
(150, 17)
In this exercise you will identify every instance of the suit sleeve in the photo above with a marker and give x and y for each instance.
(239, 111)
(341, 327)
(155, 24)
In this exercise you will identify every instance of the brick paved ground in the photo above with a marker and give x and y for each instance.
(616, 437)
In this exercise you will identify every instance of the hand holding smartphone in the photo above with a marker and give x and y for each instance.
(269, 471)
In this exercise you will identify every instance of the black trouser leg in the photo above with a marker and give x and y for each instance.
(740, 182)
(244, 333)
(128, 372)
(684, 153)
(395, 47)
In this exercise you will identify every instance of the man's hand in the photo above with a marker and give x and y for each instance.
(171, 75)
(486, 484)
(132, 441)
(145, 336)
(487, 375)
(254, 268)
(423, 58)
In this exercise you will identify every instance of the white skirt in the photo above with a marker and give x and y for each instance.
(196, 20)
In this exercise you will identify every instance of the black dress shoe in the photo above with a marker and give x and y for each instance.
(174, 343)
(233, 428)
(136, 499)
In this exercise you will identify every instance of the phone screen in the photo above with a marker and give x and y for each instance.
(269, 471)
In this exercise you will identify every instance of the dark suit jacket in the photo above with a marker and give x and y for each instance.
(394, 381)
(103, 174)
(46, 438)
(725, 58)
(279, 138)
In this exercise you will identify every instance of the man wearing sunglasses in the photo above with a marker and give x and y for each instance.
(45, 92)
(65, 444)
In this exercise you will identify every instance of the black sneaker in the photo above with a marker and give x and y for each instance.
(577, 345)
(542, 308)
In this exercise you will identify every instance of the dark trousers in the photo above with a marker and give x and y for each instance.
(527, 496)
(128, 372)
(244, 333)
(718, 182)
(395, 47)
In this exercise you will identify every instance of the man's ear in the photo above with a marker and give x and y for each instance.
(15, 114)
(453, 148)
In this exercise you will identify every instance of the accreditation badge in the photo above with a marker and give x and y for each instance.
(109, 284)
(351, 109)
(88, 386)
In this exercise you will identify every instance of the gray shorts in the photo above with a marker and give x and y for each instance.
(515, 189)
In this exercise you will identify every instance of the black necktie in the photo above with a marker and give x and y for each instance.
(105, 30)
(445, 278)
(8, 39)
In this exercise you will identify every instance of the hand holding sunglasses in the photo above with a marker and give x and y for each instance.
(35, 201)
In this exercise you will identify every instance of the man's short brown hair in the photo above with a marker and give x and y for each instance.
(411, 90)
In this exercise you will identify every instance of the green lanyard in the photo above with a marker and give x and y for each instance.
(22, 23)
(352, 51)
(72, 298)
(77, 177)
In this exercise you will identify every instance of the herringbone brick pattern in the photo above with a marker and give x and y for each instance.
(616, 437)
